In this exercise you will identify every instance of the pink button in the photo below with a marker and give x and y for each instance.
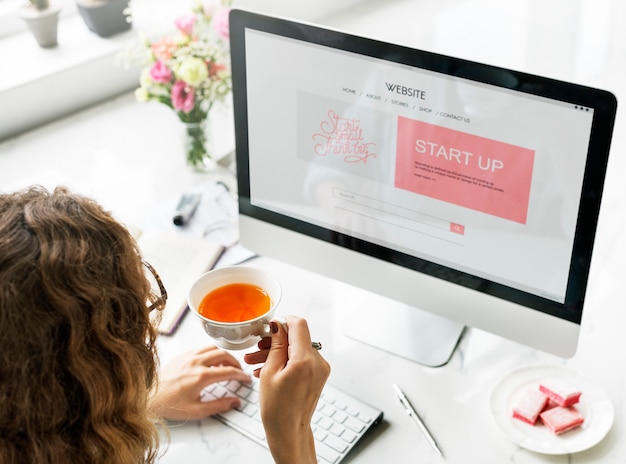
(457, 228)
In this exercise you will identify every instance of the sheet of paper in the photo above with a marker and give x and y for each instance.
(178, 259)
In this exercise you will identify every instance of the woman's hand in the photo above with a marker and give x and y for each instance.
(178, 394)
(291, 382)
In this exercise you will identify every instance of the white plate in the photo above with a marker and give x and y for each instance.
(594, 405)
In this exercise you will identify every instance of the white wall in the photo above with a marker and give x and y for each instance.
(299, 9)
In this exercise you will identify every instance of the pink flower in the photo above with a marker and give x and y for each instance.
(215, 68)
(164, 49)
(221, 23)
(183, 97)
(185, 24)
(160, 72)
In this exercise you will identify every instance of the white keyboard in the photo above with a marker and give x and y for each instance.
(340, 419)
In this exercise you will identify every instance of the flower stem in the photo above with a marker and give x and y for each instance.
(196, 145)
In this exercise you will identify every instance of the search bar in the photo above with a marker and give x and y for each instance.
(383, 210)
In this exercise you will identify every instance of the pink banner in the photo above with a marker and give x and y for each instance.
(464, 169)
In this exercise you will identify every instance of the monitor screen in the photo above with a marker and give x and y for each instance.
(469, 191)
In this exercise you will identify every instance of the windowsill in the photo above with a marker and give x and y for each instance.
(43, 84)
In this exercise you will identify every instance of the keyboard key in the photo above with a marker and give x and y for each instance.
(354, 424)
(327, 410)
(250, 409)
(340, 417)
(243, 391)
(326, 454)
(349, 436)
(242, 422)
(319, 434)
(325, 423)
(336, 429)
(335, 443)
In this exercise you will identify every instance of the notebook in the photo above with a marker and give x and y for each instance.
(178, 259)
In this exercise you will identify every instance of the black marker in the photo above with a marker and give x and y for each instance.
(186, 207)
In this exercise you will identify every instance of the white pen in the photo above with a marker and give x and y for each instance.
(410, 410)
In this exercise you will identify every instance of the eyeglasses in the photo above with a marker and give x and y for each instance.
(156, 301)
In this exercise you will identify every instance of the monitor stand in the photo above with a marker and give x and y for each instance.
(406, 331)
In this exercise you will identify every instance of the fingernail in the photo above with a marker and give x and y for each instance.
(273, 327)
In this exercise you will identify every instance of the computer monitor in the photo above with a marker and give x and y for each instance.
(466, 193)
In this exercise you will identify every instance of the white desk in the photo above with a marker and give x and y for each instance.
(128, 156)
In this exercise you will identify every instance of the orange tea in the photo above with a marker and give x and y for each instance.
(235, 303)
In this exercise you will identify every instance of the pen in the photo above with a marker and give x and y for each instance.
(410, 410)
(186, 207)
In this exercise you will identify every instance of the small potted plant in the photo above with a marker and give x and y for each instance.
(42, 18)
(105, 17)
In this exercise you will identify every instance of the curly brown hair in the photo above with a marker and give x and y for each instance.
(77, 346)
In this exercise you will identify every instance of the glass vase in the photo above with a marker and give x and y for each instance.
(197, 146)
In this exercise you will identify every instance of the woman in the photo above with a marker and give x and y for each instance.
(78, 360)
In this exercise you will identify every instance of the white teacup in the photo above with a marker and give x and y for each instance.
(235, 335)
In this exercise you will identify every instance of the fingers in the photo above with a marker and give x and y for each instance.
(182, 380)
(215, 374)
(299, 335)
(310, 362)
(201, 409)
(219, 405)
(265, 343)
(286, 358)
(216, 365)
(278, 353)
(259, 357)
(289, 339)
(213, 356)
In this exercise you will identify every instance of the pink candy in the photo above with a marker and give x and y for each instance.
(559, 420)
(562, 393)
(530, 406)
(552, 403)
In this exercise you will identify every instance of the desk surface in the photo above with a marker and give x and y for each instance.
(128, 156)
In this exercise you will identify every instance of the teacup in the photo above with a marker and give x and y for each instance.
(239, 331)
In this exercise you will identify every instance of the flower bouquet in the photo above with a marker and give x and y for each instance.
(189, 71)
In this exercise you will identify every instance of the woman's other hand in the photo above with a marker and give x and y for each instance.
(183, 379)
(291, 381)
